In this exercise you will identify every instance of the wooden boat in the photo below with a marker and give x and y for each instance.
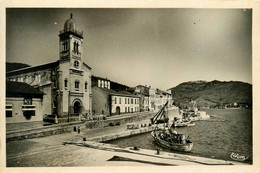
(168, 138)
(175, 142)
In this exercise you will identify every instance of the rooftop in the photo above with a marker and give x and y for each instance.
(20, 89)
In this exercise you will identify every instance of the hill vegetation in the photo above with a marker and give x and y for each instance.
(213, 94)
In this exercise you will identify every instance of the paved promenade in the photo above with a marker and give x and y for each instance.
(50, 151)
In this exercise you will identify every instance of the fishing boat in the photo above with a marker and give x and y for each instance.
(167, 137)
(172, 141)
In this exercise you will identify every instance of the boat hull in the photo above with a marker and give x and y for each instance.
(172, 146)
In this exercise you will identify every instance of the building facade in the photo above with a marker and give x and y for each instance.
(109, 101)
(66, 83)
(158, 98)
(143, 93)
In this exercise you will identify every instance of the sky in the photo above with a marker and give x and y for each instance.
(160, 48)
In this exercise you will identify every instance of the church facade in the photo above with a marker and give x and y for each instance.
(66, 83)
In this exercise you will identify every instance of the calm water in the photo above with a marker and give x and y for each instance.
(211, 139)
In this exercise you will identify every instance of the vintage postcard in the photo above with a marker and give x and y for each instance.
(90, 86)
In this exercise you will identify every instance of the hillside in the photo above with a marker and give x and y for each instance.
(15, 66)
(214, 93)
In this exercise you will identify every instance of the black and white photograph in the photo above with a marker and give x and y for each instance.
(94, 87)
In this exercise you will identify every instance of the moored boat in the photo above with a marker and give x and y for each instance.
(172, 141)
(168, 138)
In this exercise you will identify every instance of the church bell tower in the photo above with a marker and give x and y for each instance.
(71, 43)
(73, 77)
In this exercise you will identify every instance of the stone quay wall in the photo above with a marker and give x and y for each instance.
(67, 128)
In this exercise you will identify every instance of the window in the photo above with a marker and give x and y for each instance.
(28, 111)
(119, 100)
(128, 101)
(128, 109)
(125, 109)
(8, 110)
(125, 101)
(115, 100)
(65, 83)
(132, 101)
(76, 84)
(86, 86)
(76, 64)
(135, 101)
(64, 46)
(76, 48)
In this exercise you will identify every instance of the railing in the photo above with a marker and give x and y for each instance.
(72, 30)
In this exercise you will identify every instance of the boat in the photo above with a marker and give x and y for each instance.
(169, 138)
(194, 114)
(172, 141)
(181, 123)
(132, 126)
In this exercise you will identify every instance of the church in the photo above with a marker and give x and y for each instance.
(61, 88)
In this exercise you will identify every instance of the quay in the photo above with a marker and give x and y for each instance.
(39, 130)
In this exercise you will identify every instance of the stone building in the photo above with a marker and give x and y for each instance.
(158, 98)
(108, 101)
(143, 93)
(66, 83)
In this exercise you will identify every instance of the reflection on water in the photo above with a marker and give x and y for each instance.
(211, 139)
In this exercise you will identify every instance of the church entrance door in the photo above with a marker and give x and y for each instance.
(77, 108)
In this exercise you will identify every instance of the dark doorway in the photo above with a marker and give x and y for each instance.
(77, 108)
(117, 110)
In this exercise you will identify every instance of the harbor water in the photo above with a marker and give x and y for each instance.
(228, 139)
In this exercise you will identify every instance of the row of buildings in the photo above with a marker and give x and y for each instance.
(68, 88)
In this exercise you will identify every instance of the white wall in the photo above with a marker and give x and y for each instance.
(17, 111)
(123, 105)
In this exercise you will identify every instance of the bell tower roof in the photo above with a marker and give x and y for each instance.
(70, 27)
(70, 24)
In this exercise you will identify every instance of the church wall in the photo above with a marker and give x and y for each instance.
(87, 103)
(47, 100)
(64, 95)
(36, 78)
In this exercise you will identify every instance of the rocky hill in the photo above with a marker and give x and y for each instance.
(213, 94)
(14, 66)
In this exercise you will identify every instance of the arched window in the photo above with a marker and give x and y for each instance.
(65, 83)
(74, 47)
(86, 86)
